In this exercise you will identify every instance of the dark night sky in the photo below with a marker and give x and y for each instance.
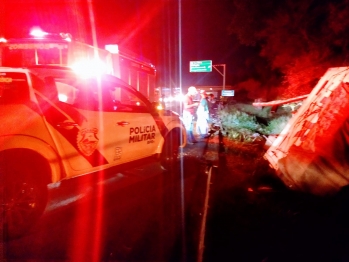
(147, 27)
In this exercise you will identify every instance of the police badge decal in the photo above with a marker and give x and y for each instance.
(87, 140)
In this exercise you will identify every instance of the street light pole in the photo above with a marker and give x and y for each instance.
(221, 73)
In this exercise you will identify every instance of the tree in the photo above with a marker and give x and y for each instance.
(299, 38)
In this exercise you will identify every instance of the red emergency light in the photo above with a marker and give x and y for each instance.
(36, 32)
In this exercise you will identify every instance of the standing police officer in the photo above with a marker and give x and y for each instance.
(189, 108)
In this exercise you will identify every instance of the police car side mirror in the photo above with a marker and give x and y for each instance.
(156, 107)
(51, 91)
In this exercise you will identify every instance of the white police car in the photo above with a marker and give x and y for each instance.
(56, 125)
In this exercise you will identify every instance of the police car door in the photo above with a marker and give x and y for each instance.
(100, 123)
(133, 130)
(116, 124)
(76, 125)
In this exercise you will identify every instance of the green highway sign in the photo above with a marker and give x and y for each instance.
(201, 66)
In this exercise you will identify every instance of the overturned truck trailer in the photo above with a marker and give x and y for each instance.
(312, 152)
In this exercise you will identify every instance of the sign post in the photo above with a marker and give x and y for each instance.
(221, 73)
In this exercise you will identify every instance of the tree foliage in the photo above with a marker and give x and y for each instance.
(299, 38)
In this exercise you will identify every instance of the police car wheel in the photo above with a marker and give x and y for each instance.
(170, 151)
(22, 195)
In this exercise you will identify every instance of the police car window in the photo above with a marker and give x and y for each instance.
(87, 94)
(127, 100)
(47, 88)
(14, 88)
(72, 91)
(107, 96)
(66, 93)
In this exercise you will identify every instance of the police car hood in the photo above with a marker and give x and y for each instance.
(168, 116)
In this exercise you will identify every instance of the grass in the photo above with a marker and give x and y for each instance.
(245, 124)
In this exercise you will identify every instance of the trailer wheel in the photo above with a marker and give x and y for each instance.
(23, 193)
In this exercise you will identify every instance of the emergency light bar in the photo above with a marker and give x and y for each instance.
(38, 33)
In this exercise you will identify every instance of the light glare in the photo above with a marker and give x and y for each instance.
(114, 49)
(62, 97)
(88, 68)
(38, 33)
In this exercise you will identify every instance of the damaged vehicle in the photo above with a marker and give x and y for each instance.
(311, 154)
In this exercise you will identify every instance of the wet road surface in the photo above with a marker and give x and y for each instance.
(144, 213)
(147, 214)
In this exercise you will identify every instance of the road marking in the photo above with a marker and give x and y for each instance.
(203, 221)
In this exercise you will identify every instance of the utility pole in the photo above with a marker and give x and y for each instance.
(220, 72)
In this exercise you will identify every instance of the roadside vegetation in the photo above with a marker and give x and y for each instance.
(245, 130)
(246, 123)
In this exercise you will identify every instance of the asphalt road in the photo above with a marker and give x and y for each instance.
(147, 214)
(144, 213)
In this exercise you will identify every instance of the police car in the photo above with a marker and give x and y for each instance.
(57, 125)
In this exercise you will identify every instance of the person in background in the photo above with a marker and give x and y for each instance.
(189, 108)
(203, 116)
(211, 103)
(220, 105)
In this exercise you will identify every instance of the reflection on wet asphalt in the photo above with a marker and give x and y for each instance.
(144, 213)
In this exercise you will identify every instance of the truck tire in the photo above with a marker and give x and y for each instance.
(23, 192)
(170, 151)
